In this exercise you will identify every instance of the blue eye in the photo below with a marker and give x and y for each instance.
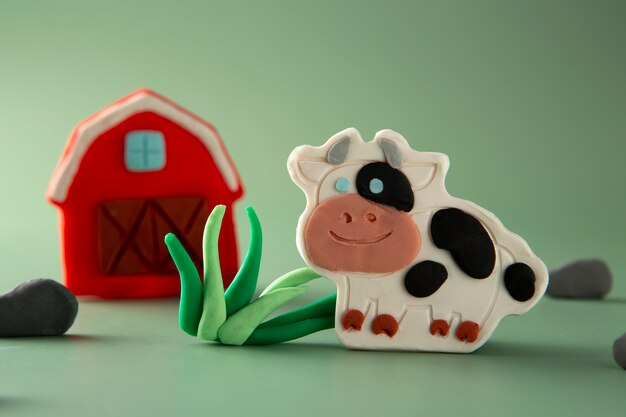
(342, 185)
(376, 186)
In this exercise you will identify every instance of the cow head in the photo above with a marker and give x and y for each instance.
(360, 197)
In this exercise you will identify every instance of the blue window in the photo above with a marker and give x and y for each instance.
(144, 151)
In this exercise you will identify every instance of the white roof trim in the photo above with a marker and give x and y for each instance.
(88, 131)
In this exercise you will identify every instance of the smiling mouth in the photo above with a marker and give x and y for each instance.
(376, 239)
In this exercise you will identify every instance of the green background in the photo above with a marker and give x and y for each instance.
(527, 98)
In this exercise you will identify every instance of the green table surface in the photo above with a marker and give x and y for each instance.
(129, 358)
(528, 98)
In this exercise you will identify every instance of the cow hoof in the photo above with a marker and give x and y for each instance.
(385, 324)
(467, 331)
(441, 327)
(352, 320)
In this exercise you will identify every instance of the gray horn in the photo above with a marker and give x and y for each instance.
(339, 151)
(392, 152)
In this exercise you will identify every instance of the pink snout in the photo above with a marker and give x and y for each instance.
(352, 234)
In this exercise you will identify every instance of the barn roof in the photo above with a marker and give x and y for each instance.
(139, 101)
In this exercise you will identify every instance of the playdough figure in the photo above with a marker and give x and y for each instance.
(415, 268)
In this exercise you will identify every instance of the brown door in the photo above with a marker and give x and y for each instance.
(131, 233)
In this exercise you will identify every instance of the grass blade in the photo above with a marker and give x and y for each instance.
(241, 290)
(323, 307)
(240, 325)
(214, 307)
(190, 308)
(290, 331)
(292, 279)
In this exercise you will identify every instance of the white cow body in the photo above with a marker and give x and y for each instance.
(460, 298)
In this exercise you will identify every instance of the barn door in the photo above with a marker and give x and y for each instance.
(131, 233)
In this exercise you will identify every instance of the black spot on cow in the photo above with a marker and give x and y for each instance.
(519, 280)
(425, 278)
(466, 239)
(382, 184)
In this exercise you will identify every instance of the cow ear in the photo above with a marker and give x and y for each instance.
(312, 170)
(420, 176)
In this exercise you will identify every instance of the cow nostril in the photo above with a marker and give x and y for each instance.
(370, 217)
(346, 217)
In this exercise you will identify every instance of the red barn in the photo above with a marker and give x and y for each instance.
(129, 174)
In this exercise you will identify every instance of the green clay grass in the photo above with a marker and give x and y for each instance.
(241, 324)
(324, 307)
(292, 279)
(233, 317)
(214, 305)
(190, 309)
(287, 332)
(241, 290)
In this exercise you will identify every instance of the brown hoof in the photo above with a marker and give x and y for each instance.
(439, 326)
(386, 324)
(467, 331)
(352, 320)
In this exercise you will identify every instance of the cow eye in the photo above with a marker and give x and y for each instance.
(380, 183)
(342, 185)
(376, 186)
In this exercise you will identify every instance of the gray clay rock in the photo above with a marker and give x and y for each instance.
(39, 307)
(585, 278)
(619, 351)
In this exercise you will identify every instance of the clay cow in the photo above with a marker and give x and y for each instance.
(415, 268)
